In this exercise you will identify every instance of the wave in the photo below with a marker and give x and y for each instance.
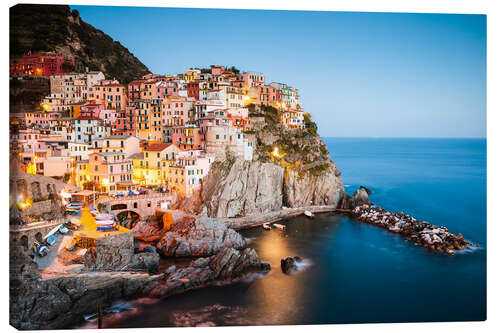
(471, 249)
(304, 264)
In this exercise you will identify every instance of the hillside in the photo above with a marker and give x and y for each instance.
(57, 28)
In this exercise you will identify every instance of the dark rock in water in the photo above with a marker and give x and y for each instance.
(360, 197)
(289, 264)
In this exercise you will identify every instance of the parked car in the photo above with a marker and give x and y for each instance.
(50, 240)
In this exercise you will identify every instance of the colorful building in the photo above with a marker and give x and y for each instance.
(110, 171)
(42, 64)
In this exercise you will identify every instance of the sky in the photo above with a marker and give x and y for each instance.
(358, 74)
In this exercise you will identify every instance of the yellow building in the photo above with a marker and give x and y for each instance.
(156, 162)
(82, 175)
(149, 119)
(176, 179)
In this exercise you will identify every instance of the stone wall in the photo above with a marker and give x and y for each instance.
(36, 187)
(40, 208)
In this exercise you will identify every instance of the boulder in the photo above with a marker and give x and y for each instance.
(289, 264)
(360, 198)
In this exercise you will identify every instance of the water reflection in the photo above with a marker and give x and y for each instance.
(280, 298)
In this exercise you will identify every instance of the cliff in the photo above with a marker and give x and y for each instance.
(291, 167)
(56, 28)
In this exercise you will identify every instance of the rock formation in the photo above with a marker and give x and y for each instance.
(227, 265)
(62, 301)
(190, 237)
(289, 264)
(243, 188)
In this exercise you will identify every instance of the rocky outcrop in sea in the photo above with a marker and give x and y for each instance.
(421, 233)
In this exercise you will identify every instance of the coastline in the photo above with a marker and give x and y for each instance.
(252, 221)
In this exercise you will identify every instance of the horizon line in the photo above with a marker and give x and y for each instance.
(404, 137)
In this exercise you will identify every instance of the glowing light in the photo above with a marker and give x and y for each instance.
(105, 181)
(46, 107)
(23, 204)
(276, 153)
(31, 167)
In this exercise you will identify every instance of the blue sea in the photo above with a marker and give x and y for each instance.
(355, 272)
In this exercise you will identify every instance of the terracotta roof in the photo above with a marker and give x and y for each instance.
(157, 146)
(85, 117)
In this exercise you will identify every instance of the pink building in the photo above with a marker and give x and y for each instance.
(91, 109)
(41, 64)
(124, 122)
(218, 70)
(175, 111)
(188, 137)
(253, 79)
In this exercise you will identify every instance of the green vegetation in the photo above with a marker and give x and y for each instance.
(311, 126)
(39, 28)
(302, 150)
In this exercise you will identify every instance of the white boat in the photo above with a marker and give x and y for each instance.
(279, 226)
(308, 214)
(266, 226)
(104, 219)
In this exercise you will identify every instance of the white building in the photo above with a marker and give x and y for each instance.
(88, 129)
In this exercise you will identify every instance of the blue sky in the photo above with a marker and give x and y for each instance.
(359, 74)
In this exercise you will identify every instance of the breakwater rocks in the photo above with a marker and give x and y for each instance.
(421, 233)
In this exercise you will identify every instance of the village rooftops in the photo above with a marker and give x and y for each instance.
(86, 117)
(117, 137)
(157, 146)
(136, 156)
(109, 153)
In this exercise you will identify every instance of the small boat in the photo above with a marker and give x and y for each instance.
(279, 226)
(308, 214)
(40, 249)
(106, 227)
(105, 222)
(74, 207)
(266, 226)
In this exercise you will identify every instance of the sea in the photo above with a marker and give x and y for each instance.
(354, 272)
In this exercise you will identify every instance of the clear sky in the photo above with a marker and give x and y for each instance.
(359, 74)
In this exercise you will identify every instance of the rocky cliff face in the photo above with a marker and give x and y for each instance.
(300, 174)
(243, 188)
(309, 189)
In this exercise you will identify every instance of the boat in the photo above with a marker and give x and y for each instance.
(308, 214)
(40, 249)
(93, 211)
(266, 226)
(74, 207)
(279, 226)
(105, 222)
